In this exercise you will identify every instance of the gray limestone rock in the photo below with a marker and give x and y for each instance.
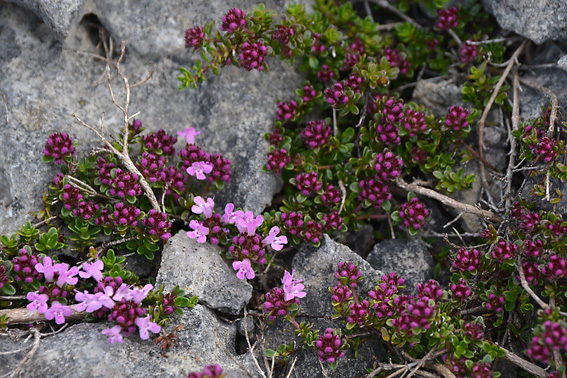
(562, 62)
(83, 351)
(316, 266)
(60, 16)
(539, 21)
(410, 259)
(44, 82)
(320, 264)
(200, 270)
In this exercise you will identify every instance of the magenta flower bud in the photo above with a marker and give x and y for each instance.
(194, 38)
(448, 18)
(316, 134)
(234, 20)
(59, 146)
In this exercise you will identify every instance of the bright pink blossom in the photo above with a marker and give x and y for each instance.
(276, 242)
(145, 325)
(59, 312)
(93, 270)
(248, 224)
(244, 268)
(38, 302)
(199, 168)
(189, 134)
(200, 232)
(202, 207)
(114, 335)
(292, 288)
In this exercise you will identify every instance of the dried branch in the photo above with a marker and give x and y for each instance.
(512, 154)
(124, 155)
(526, 365)
(385, 4)
(448, 201)
(24, 316)
(482, 121)
(24, 361)
(250, 347)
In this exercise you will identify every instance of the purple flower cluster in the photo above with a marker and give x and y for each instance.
(316, 134)
(194, 38)
(414, 122)
(414, 214)
(287, 110)
(456, 118)
(466, 260)
(152, 167)
(553, 338)
(24, 267)
(430, 289)
(398, 59)
(504, 250)
(252, 55)
(374, 191)
(388, 165)
(333, 221)
(467, 52)
(160, 141)
(448, 18)
(278, 301)
(336, 96)
(59, 146)
(125, 215)
(105, 168)
(329, 346)
(86, 210)
(277, 160)
(461, 290)
(124, 184)
(331, 196)
(157, 224)
(210, 371)
(308, 183)
(348, 274)
(71, 197)
(325, 74)
(308, 93)
(234, 20)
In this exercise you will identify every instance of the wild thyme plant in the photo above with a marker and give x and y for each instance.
(350, 137)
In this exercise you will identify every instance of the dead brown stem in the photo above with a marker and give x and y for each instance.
(448, 201)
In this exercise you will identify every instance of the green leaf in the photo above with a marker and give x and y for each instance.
(270, 353)
(8, 289)
(313, 62)
(181, 301)
(347, 135)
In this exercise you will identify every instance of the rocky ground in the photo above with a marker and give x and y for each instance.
(47, 72)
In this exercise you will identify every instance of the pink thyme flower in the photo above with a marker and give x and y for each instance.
(88, 302)
(244, 268)
(292, 288)
(202, 207)
(145, 325)
(137, 295)
(200, 232)
(38, 302)
(199, 168)
(276, 242)
(114, 335)
(230, 216)
(189, 134)
(46, 267)
(248, 224)
(66, 275)
(59, 312)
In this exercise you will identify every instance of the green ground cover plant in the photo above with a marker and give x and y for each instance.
(353, 150)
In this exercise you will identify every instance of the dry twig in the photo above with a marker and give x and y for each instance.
(445, 200)
(124, 156)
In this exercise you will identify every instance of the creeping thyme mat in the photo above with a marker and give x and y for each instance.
(355, 153)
